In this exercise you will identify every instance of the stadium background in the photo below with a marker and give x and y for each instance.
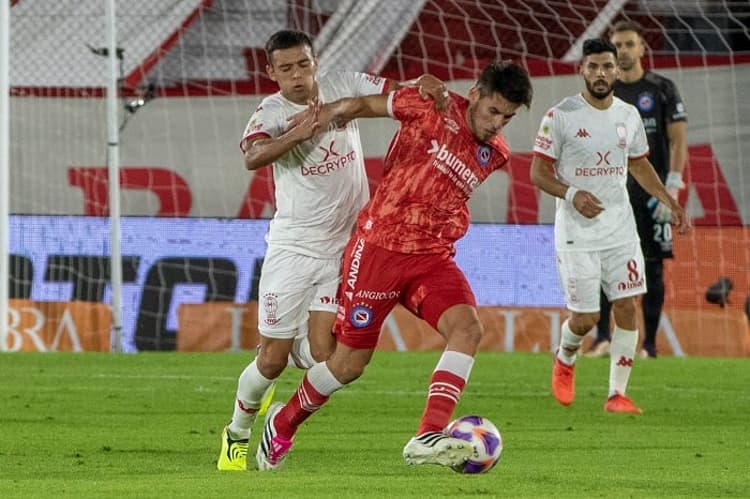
(192, 72)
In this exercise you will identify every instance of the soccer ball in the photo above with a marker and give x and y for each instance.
(484, 437)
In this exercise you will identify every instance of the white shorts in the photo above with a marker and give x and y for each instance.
(291, 285)
(620, 272)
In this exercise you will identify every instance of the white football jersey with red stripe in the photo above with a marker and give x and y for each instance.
(591, 148)
(320, 184)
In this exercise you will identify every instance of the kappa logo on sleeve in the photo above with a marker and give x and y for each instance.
(375, 80)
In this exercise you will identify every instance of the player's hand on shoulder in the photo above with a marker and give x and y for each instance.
(587, 204)
(332, 114)
(431, 87)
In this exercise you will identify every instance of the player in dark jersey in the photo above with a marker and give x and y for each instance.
(665, 121)
(402, 252)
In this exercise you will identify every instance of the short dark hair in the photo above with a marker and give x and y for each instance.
(598, 46)
(507, 79)
(286, 39)
(626, 25)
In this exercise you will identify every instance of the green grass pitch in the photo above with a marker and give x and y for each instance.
(148, 425)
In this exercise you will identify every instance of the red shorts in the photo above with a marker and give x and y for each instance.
(375, 279)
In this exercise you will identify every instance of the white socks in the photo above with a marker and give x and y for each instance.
(622, 352)
(569, 344)
(322, 379)
(250, 389)
(456, 363)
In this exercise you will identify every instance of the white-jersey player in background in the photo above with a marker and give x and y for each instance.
(320, 186)
(585, 148)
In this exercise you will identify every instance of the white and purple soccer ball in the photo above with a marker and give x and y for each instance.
(485, 439)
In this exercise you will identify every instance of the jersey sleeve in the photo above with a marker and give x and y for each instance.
(364, 84)
(674, 107)
(406, 104)
(639, 145)
(266, 121)
(547, 140)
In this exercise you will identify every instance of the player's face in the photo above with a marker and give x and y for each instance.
(629, 49)
(599, 71)
(294, 71)
(486, 116)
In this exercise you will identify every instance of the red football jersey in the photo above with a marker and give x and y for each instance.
(433, 166)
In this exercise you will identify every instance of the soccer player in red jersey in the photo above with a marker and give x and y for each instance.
(402, 252)
(320, 188)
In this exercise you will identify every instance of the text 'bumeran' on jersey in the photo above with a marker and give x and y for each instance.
(433, 166)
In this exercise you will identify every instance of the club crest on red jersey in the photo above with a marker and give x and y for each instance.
(484, 154)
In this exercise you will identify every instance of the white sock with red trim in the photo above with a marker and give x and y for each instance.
(250, 389)
(622, 352)
(569, 344)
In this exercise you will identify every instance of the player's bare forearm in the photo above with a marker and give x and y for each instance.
(344, 110)
(543, 176)
(264, 151)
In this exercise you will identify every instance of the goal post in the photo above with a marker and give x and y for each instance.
(113, 174)
(4, 167)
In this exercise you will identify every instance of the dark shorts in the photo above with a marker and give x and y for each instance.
(375, 279)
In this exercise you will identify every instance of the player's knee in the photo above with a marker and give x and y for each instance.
(474, 332)
(466, 336)
(624, 307)
(271, 363)
(461, 324)
(582, 323)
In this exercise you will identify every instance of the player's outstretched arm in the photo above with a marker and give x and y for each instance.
(347, 109)
(262, 151)
(543, 176)
(643, 171)
(342, 111)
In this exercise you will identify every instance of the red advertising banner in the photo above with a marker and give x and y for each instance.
(225, 326)
(58, 326)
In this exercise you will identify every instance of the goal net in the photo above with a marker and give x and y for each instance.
(191, 72)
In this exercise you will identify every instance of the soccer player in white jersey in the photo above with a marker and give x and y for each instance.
(321, 185)
(585, 148)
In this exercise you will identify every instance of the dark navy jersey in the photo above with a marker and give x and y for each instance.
(659, 104)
